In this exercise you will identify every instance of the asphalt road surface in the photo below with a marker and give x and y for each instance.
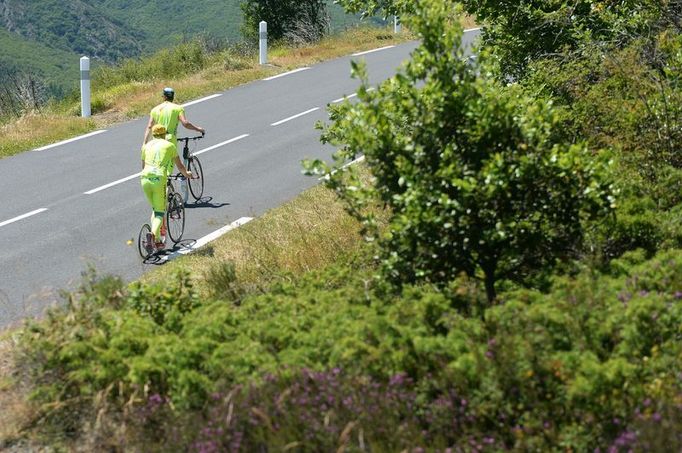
(77, 204)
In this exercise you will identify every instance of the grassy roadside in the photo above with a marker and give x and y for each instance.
(220, 71)
(312, 231)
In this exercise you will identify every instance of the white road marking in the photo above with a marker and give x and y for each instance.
(112, 184)
(371, 51)
(326, 177)
(128, 178)
(295, 116)
(210, 148)
(472, 29)
(208, 238)
(70, 140)
(286, 73)
(350, 96)
(21, 217)
(213, 96)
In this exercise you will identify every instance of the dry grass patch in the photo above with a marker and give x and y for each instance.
(36, 130)
(309, 232)
(353, 40)
(15, 411)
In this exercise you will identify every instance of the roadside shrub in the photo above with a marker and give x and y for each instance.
(166, 305)
(221, 279)
(569, 367)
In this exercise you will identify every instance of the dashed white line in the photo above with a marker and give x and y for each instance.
(21, 217)
(295, 116)
(213, 96)
(358, 54)
(286, 73)
(112, 184)
(70, 140)
(208, 238)
(232, 140)
(128, 178)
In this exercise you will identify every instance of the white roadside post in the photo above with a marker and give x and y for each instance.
(263, 42)
(85, 87)
(397, 27)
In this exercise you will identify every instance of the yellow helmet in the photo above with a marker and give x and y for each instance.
(159, 130)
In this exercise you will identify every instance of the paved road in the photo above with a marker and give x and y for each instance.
(61, 212)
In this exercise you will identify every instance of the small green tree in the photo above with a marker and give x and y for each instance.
(472, 172)
(294, 20)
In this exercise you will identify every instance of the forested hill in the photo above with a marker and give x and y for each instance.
(46, 37)
(71, 25)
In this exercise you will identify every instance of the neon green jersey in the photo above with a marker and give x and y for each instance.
(168, 115)
(158, 157)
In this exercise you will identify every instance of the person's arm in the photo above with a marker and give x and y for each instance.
(148, 131)
(189, 125)
(181, 167)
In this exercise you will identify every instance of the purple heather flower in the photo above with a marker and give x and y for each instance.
(678, 294)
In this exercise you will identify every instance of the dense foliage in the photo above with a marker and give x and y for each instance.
(528, 374)
(473, 172)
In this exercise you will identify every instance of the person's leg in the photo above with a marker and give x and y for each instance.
(155, 190)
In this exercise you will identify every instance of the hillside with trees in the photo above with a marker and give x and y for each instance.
(503, 272)
(109, 31)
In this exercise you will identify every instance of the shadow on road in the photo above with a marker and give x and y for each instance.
(161, 257)
(205, 202)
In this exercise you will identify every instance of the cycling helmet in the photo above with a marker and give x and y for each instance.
(159, 130)
(169, 93)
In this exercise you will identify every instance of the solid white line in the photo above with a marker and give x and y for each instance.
(326, 177)
(210, 148)
(286, 73)
(350, 96)
(202, 100)
(37, 211)
(371, 51)
(112, 184)
(294, 117)
(208, 238)
(70, 140)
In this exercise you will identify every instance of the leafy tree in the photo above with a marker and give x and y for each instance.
(372, 7)
(287, 19)
(520, 32)
(472, 172)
